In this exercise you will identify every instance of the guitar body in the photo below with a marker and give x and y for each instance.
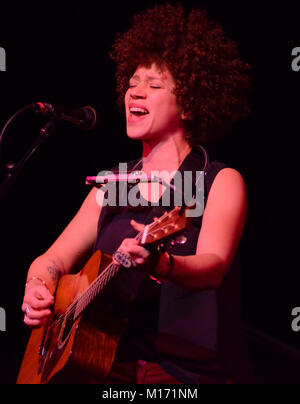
(68, 350)
(79, 345)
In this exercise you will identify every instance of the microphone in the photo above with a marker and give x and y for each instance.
(84, 118)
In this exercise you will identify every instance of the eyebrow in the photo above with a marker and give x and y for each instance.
(149, 78)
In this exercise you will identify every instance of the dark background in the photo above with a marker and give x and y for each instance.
(60, 55)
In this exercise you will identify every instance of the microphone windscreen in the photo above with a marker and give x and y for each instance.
(89, 118)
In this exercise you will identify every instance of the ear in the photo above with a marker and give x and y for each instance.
(185, 116)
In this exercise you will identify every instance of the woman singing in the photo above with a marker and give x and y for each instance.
(181, 84)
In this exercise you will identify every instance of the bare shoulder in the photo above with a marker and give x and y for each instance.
(229, 176)
(224, 216)
(228, 185)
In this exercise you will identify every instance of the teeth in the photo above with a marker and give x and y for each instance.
(140, 110)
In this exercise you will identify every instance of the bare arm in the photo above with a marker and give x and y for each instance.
(221, 230)
(222, 227)
(72, 246)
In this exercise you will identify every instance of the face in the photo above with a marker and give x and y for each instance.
(152, 112)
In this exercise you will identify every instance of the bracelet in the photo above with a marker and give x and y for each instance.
(167, 276)
(124, 259)
(35, 278)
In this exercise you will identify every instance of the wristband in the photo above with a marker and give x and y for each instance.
(170, 265)
(167, 276)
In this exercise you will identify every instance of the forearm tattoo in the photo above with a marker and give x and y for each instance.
(53, 270)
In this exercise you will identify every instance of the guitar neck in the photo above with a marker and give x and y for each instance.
(81, 302)
(161, 228)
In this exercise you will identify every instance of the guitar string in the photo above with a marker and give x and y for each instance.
(83, 300)
(103, 278)
(95, 287)
(88, 295)
(98, 283)
(90, 292)
(79, 304)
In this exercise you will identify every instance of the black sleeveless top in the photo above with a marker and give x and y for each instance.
(189, 333)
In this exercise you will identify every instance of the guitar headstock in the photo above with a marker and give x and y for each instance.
(169, 223)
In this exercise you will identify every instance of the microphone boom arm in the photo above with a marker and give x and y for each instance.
(84, 118)
(14, 170)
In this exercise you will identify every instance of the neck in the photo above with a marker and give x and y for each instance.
(165, 155)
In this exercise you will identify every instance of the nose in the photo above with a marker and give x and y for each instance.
(139, 90)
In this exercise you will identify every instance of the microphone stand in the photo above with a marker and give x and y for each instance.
(14, 170)
(131, 178)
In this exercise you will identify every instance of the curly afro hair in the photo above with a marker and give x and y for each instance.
(211, 81)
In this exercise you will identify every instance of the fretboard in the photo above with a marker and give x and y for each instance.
(82, 301)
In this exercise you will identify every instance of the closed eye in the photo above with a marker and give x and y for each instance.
(152, 86)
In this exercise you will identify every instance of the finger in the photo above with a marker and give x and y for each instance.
(33, 323)
(25, 307)
(33, 313)
(140, 261)
(137, 226)
(127, 244)
(137, 251)
(37, 304)
(38, 314)
(42, 292)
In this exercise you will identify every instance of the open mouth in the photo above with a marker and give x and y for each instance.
(136, 113)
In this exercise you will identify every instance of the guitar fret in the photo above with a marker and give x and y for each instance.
(82, 301)
(95, 287)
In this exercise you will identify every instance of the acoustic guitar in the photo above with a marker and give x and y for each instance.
(79, 342)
